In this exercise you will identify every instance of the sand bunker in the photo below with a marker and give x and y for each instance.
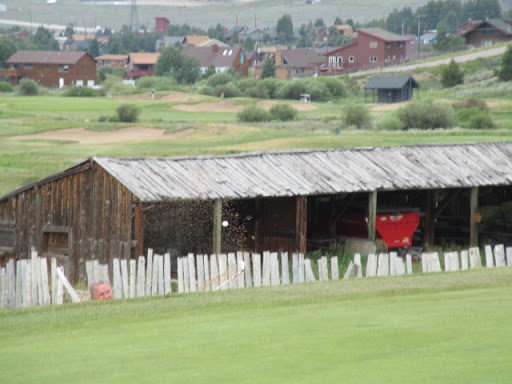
(84, 136)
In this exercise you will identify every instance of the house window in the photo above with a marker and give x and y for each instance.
(63, 68)
(373, 44)
(373, 59)
(7, 236)
(351, 59)
(46, 67)
(27, 66)
(15, 66)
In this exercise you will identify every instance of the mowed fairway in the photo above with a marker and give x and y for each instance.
(439, 328)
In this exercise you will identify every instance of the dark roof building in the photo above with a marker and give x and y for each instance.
(391, 89)
(486, 32)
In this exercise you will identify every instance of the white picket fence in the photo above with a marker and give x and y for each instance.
(26, 283)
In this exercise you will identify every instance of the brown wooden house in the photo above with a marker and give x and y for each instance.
(486, 32)
(53, 69)
(372, 48)
(284, 200)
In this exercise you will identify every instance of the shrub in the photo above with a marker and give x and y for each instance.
(253, 113)
(219, 79)
(291, 90)
(452, 75)
(75, 91)
(127, 113)
(272, 87)
(318, 91)
(258, 92)
(475, 118)
(357, 115)
(6, 87)
(246, 84)
(163, 83)
(472, 103)
(229, 90)
(28, 87)
(335, 86)
(283, 112)
(427, 115)
(207, 90)
(390, 123)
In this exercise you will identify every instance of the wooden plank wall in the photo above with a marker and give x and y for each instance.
(94, 207)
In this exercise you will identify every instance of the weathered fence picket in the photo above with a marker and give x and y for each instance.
(335, 271)
(285, 269)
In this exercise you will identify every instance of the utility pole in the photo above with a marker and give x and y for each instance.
(419, 26)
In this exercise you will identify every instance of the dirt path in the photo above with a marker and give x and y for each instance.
(84, 136)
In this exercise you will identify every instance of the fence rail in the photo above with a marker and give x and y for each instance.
(27, 282)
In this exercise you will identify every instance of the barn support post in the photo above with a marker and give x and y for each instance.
(139, 230)
(474, 218)
(217, 226)
(372, 215)
(258, 225)
(301, 224)
(428, 238)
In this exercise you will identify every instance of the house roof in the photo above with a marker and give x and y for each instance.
(112, 57)
(212, 42)
(222, 57)
(390, 82)
(383, 34)
(47, 57)
(301, 57)
(307, 172)
(197, 40)
(501, 25)
(143, 58)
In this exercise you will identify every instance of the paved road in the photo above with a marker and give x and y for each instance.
(459, 59)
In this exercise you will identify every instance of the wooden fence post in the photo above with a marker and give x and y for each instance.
(167, 273)
(335, 271)
(274, 269)
(232, 270)
(266, 269)
(285, 269)
(149, 271)
(133, 279)
(207, 275)
(256, 269)
(248, 269)
(116, 276)
(141, 277)
(181, 282)
(214, 272)
(125, 278)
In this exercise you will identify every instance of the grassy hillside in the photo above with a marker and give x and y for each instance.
(200, 13)
(442, 328)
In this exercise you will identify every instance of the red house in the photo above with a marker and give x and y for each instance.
(161, 25)
(373, 47)
(53, 69)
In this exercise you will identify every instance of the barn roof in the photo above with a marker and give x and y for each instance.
(46, 57)
(309, 172)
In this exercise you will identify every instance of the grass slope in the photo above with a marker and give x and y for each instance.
(442, 328)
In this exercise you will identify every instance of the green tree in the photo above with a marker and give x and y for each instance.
(44, 40)
(284, 28)
(115, 45)
(217, 32)
(452, 75)
(94, 48)
(248, 44)
(337, 21)
(319, 23)
(174, 63)
(7, 49)
(269, 68)
(505, 73)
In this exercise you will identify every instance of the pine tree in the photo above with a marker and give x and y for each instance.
(452, 75)
(269, 68)
(506, 65)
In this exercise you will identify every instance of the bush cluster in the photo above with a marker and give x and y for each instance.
(252, 113)
(426, 114)
(475, 118)
(283, 112)
(356, 115)
(127, 113)
(158, 83)
(28, 87)
(6, 87)
(75, 91)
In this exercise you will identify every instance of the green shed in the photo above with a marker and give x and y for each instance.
(391, 89)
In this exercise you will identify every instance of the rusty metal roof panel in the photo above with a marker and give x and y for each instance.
(310, 172)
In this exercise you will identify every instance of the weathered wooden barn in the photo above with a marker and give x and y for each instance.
(281, 200)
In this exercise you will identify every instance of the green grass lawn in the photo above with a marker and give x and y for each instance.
(438, 328)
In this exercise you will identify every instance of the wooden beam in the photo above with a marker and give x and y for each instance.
(336, 216)
(474, 218)
(372, 215)
(217, 226)
(258, 225)
(301, 224)
(139, 230)
(428, 236)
